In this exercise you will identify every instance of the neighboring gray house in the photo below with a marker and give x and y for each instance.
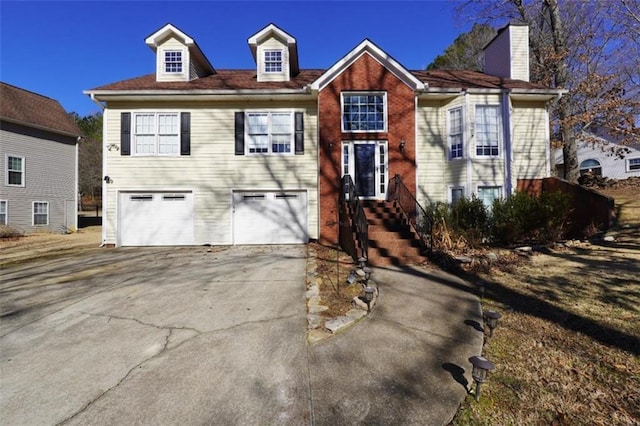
(39, 171)
(601, 155)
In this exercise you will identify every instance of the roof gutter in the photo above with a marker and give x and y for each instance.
(94, 100)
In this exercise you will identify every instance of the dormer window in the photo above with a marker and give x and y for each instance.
(173, 61)
(273, 61)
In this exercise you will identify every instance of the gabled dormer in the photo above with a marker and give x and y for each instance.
(275, 53)
(178, 57)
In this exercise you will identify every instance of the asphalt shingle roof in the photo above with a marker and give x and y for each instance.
(30, 108)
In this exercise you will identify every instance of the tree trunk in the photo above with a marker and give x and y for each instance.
(561, 74)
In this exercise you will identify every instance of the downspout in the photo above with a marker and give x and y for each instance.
(508, 154)
(104, 168)
(468, 136)
(77, 177)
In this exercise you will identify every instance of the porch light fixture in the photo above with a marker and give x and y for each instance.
(491, 319)
(402, 145)
(368, 296)
(481, 366)
(113, 147)
(108, 179)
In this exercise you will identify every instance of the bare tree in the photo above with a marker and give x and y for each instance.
(466, 51)
(589, 47)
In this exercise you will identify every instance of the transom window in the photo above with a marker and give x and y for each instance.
(455, 133)
(487, 131)
(364, 112)
(488, 194)
(270, 132)
(273, 61)
(40, 213)
(156, 134)
(591, 166)
(633, 164)
(3, 212)
(15, 171)
(173, 61)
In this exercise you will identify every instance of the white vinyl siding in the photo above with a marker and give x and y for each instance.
(173, 61)
(40, 213)
(156, 134)
(267, 60)
(212, 170)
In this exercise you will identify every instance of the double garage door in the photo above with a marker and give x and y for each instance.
(167, 218)
(270, 217)
(156, 219)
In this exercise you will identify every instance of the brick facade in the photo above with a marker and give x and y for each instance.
(364, 74)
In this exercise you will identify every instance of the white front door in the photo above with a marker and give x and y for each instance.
(366, 163)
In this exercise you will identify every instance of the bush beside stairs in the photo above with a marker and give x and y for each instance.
(391, 239)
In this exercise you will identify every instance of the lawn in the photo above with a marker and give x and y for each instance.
(567, 349)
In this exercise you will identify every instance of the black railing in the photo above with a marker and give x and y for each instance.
(418, 218)
(352, 220)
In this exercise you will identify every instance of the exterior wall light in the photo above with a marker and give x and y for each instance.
(402, 145)
(481, 366)
(491, 319)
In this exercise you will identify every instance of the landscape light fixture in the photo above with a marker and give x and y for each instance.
(491, 319)
(368, 296)
(367, 272)
(362, 262)
(351, 278)
(481, 366)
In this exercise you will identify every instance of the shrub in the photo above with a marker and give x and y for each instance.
(9, 232)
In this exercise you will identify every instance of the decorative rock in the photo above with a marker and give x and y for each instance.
(360, 273)
(356, 314)
(359, 303)
(338, 324)
(492, 257)
(315, 300)
(609, 239)
(314, 321)
(316, 309)
(312, 292)
(317, 335)
(463, 259)
(525, 249)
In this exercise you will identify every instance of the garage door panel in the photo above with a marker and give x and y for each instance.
(270, 217)
(156, 219)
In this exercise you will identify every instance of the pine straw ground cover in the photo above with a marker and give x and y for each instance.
(567, 348)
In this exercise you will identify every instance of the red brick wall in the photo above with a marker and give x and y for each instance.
(365, 74)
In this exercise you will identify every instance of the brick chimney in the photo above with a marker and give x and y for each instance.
(507, 54)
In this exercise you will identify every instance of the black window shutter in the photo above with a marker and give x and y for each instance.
(239, 128)
(125, 133)
(185, 133)
(299, 137)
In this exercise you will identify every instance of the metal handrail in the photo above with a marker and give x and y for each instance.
(412, 209)
(358, 218)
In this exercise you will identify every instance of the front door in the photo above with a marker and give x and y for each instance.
(366, 162)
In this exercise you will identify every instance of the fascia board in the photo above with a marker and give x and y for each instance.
(181, 95)
(152, 40)
(366, 46)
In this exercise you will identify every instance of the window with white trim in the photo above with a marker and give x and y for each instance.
(40, 212)
(455, 133)
(364, 112)
(172, 61)
(270, 132)
(273, 61)
(457, 194)
(15, 171)
(487, 130)
(590, 166)
(4, 205)
(488, 194)
(156, 134)
(633, 164)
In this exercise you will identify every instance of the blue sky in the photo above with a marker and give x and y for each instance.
(59, 49)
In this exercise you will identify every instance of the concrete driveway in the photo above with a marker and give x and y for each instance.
(156, 336)
(218, 336)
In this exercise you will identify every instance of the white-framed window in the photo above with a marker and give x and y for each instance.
(172, 61)
(457, 193)
(591, 166)
(488, 194)
(273, 61)
(40, 213)
(156, 133)
(364, 112)
(633, 164)
(15, 170)
(4, 212)
(269, 132)
(487, 130)
(455, 124)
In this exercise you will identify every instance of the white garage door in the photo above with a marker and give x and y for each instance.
(156, 219)
(270, 217)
